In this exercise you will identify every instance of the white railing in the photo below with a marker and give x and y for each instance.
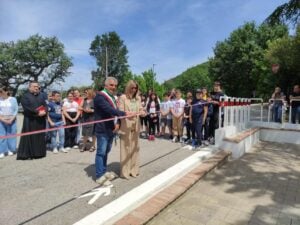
(236, 112)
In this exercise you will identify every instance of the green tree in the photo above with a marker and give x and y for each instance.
(191, 79)
(37, 58)
(142, 83)
(286, 13)
(285, 52)
(239, 61)
(110, 52)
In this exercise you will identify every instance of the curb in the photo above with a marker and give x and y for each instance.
(145, 212)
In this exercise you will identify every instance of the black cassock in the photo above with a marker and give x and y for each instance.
(32, 146)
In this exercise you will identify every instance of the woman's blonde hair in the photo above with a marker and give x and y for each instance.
(130, 84)
(90, 93)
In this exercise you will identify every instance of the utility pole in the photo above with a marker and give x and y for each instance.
(106, 62)
(153, 76)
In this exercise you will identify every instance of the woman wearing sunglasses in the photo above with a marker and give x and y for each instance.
(129, 131)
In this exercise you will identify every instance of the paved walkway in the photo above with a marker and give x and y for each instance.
(46, 191)
(263, 187)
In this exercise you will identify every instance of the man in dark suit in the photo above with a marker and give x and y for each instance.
(106, 108)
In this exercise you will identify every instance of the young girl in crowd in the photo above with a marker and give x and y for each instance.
(153, 109)
(187, 123)
(71, 112)
(144, 120)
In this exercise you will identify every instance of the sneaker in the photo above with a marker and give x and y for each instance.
(63, 150)
(187, 141)
(206, 143)
(55, 151)
(153, 138)
(1, 155)
(67, 148)
(75, 147)
(101, 180)
(201, 145)
(181, 140)
(212, 141)
(174, 139)
(107, 183)
(110, 175)
(194, 143)
(10, 153)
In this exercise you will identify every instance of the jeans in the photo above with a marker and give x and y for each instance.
(277, 113)
(8, 144)
(295, 114)
(197, 129)
(188, 127)
(61, 138)
(104, 144)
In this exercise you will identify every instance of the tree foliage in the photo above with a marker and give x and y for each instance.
(108, 49)
(37, 58)
(191, 79)
(286, 13)
(147, 81)
(285, 52)
(239, 61)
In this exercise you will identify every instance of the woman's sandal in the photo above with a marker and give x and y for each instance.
(92, 149)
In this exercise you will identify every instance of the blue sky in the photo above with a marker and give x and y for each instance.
(172, 34)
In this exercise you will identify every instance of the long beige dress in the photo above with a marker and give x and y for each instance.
(129, 136)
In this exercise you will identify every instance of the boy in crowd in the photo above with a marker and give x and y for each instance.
(197, 118)
(166, 115)
(177, 110)
(56, 119)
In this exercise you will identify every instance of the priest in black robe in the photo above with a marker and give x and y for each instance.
(35, 111)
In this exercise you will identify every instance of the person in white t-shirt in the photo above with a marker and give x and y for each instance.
(177, 116)
(8, 124)
(71, 112)
(166, 115)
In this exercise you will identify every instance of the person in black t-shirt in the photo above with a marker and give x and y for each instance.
(186, 119)
(295, 96)
(215, 100)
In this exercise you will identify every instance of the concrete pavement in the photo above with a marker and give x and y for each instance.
(263, 187)
(46, 191)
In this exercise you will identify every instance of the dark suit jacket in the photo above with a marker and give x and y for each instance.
(104, 110)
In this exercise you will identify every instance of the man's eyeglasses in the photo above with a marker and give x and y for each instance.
(113, 85)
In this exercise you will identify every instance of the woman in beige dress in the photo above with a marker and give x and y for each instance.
(129, 131)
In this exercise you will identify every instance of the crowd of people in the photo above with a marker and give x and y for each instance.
(188, 118)
(278, 103)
